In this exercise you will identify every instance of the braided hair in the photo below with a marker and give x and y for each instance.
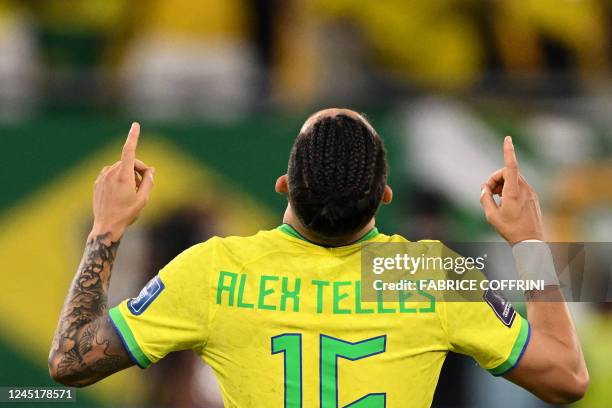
(337, 175)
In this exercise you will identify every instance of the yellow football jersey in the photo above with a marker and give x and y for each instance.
(281, 322)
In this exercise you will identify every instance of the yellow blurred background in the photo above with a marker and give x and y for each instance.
(221, 89)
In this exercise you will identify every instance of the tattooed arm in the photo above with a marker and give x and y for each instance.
(86, 347)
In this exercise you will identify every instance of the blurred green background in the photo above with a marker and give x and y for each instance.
(221, 90)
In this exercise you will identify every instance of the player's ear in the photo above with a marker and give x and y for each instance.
(281, 185)
(387, 195)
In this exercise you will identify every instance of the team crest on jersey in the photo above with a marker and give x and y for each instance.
(147, 295)
(502, 308)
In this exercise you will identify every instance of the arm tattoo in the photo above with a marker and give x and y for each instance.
(86, 347)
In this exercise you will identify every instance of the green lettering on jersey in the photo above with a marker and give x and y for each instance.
(234, 290)
(320, 284)
(221, 287)
(403, 297)
(263, 292)
(340, 296)
(359, 309)
(381, 304)
(432, 302)
(290, 294)
(241, 302)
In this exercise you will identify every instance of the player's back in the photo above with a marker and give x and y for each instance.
(288, 323)
(281, 322)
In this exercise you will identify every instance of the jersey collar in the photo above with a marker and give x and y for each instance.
(289, 230)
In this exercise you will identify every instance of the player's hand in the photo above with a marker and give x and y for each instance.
(122, 190)
(518, 217)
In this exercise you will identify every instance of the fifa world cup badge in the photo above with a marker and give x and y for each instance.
(147, 295)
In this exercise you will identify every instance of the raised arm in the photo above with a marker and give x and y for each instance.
(86, 347)
(552, 366)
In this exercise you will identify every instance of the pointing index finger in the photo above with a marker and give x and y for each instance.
(511, 172)
(509, 154)
(128, 155)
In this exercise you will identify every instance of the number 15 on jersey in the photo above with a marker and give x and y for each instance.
(331, 349)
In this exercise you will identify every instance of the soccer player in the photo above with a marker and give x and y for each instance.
(278, 315)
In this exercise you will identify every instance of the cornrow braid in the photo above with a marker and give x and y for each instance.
(337, 175)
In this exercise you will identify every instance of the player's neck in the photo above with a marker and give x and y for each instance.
(291, 219)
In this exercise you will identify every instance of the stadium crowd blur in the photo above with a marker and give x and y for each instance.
(454, 76)
(209, 59)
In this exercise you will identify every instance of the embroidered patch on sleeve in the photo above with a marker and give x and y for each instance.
(502, 308)
(147, 295)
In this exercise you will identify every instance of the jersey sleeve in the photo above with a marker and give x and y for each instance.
(171, 311)
(490, 331)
